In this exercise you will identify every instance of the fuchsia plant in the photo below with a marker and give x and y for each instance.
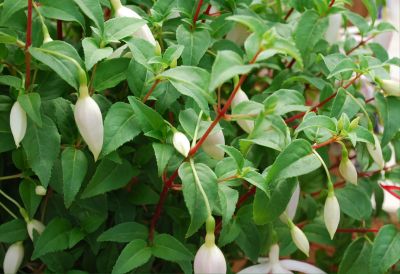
(187, 136)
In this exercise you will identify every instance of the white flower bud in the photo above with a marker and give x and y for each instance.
(13, 258)
(294, 201)
(40, 191)
(331, 214)
(376, 152)
(210, 145)
(348, 170)
(181, 143)
(241, 96)
(18, 122)
(34, 225)
(390, 87)
(209, 259)
(144, 32)
(300, 239)
(90, 123)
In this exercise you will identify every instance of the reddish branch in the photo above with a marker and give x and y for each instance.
(392, 190)
(288, 14)
(330, 141)
(27, 45)
(59, 30)
(321, 104)
(358, 230)
(331, 3)
(196, 15)
(153, 87)
(361, 43)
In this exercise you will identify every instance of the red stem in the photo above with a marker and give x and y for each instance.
(288, 14)
(391, 190)
(59, 30)
(330, 141)
(358, 230)
(361, 43)
(27, 45)
(331, 3)
(196, 15)
(153, 87)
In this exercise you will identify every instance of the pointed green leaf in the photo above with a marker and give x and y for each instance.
(135, 254)
(196, 43)
(31, 102)
(169, 248)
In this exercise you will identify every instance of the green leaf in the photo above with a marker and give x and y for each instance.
(42, 145)
(386, 249)
(61, 10)
(318, 121)
(285, 100)
(29, 198)
(31, 102)
(226, 65)
(163, 153)
(124, 233)
(192, 82)
(149, 119)
(235, 154)
(108, 176)
(284, 46)
(109, 73)
(169, 248)
(195, 42)
(356, 257)
(310, 29)
(93, 10)
(10, 7)
(257, 180)
(13, 231)
(120, 126)
(372, 9)
(11, 81)
(254, 23)
(6, 139)
(57, 236)
(297, 159)
(6, 38)
(135, 254)
(357, 20)
(364, 135)
(268, 208)
(90, 213)
(74, 167)
(344, 65)
(388, 107)
(118, 28)
(346, 197)
(343, 103)
(228, 198)
(93, 53)
(191, 193)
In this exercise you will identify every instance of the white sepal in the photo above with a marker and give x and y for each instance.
(13, 258)
(18, 122)
(246, 125)
(390, 87)
(376, 152)
(348, 170)
(300, 239)
(294, 201)
(209, 259)
(331, 214)
(34, 225)
(210, 145)
(89, 120)
(144, 32)
(181, 143)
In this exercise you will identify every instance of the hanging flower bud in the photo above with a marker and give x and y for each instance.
(390, 87)
(331, 213)
(209, 258)
(210, 145)
(13, 258)
(40, 191)
(34, 225)
(300, 239)
(376, 152)
(144, 32)
(294, 201)
(181, 143)
(89, 121)
(348, 170)
(18, 122)
(241, 96)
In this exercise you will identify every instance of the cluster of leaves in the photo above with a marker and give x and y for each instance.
(98, 214)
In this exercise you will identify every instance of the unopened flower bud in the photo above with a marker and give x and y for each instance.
(376, 152)
(18, 122)
(34, 225)
(13, 258)
(246, 125)
(210, 145)
(390, 87)
(144, 32)
(90, 123)
(40, 191)
(348, 170)
(331, 214)
(209, 258)
(300, 239)
(294, 201)
(181, 143)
